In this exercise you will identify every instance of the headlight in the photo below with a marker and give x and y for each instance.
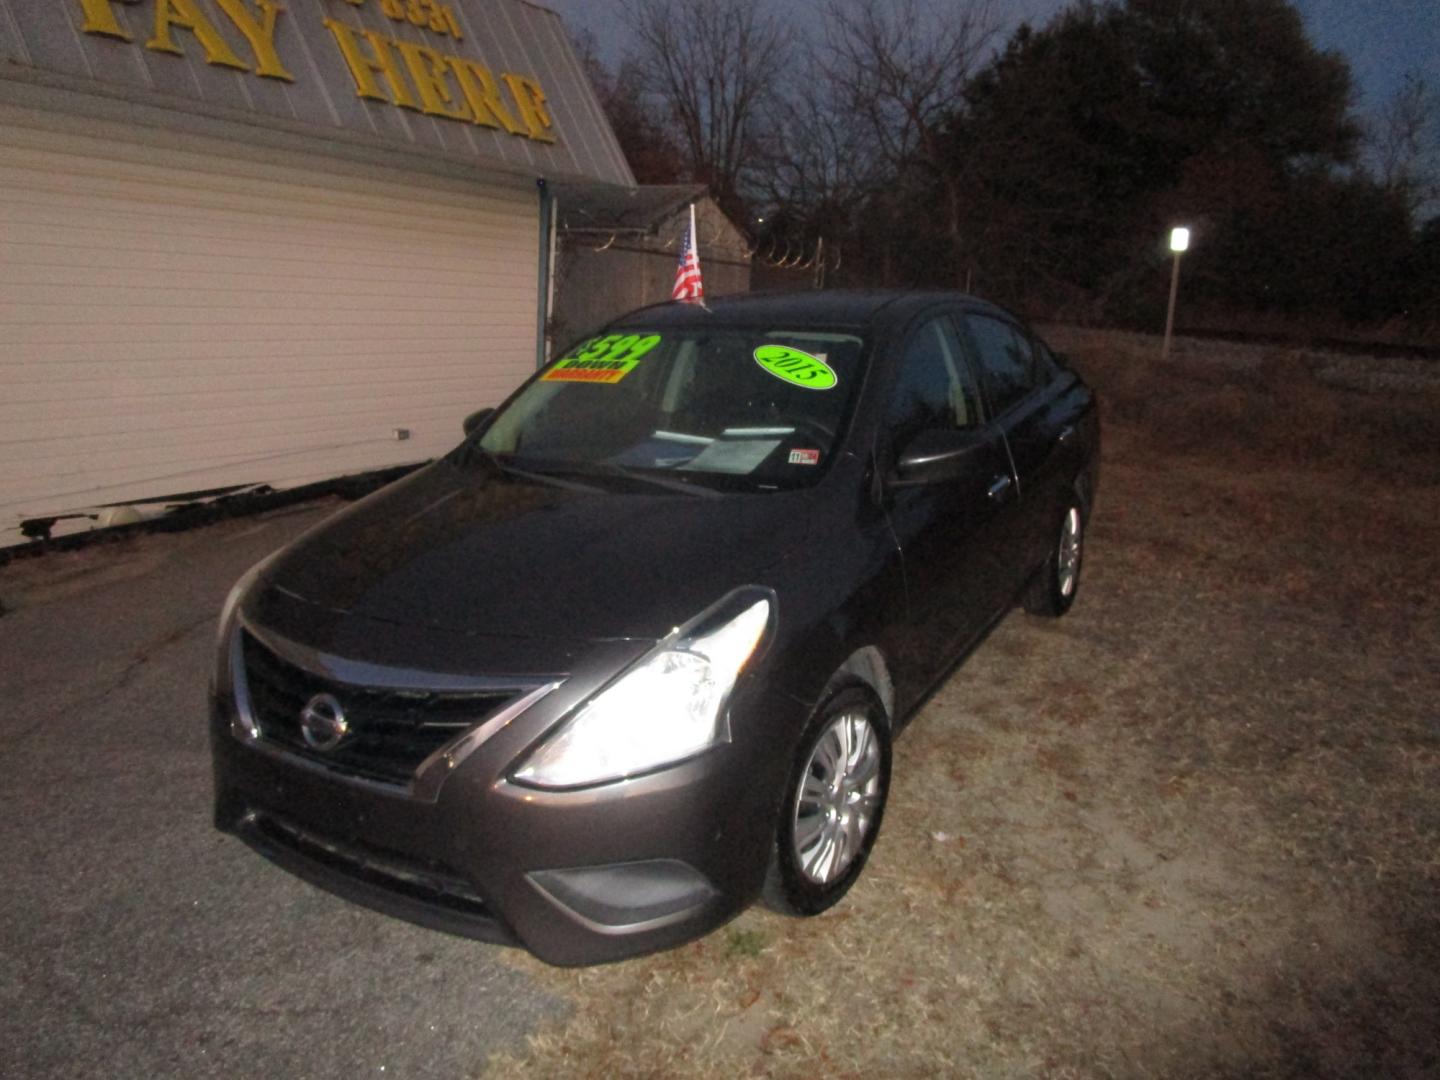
(669, 707)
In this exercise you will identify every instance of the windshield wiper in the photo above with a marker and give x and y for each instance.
(554, 472)
(685, 487)
(471, 452)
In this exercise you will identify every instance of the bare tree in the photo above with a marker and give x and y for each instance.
(902, 68)
(815, 167)
(814, 154)
(1404, 143)
(652, 153)
(715, 63)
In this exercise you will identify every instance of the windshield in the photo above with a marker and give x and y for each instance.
(738, 407)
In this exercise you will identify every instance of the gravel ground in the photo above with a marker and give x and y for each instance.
(1372, 374)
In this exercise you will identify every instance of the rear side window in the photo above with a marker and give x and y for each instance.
(935, 388)
(1006, 357)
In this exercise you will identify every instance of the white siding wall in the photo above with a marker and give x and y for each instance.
(173, 321)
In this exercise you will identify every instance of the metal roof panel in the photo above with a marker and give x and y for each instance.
(127, 49)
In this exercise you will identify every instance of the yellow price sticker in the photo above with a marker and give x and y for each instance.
(605, 359)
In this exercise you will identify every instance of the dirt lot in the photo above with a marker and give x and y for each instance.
(1191, 829)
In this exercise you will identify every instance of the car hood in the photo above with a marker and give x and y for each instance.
(481, 551)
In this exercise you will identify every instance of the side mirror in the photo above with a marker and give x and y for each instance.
(936, 455)
(475, 419)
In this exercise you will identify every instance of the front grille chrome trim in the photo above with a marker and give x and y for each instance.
(434, 769)
(381, 676)
(427, 778)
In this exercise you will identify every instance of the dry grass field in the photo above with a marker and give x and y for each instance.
(1192, 829)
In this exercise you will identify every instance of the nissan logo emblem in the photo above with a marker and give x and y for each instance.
(322, 722)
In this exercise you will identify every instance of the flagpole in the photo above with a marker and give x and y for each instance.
(695, 246)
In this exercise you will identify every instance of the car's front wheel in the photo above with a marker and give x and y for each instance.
(834, 800)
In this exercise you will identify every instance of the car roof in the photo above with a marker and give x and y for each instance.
(856, 308)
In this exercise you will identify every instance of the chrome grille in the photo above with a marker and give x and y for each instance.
(391, 731)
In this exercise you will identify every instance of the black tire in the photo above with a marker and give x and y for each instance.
(802, 881)
(1052, 592)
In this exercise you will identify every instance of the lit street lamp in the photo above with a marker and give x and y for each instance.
(1179, 241)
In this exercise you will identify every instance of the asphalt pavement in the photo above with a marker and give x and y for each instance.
(135, 940)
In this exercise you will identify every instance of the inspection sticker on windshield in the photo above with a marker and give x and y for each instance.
(796, 367)
(605, 359)
(804, 457)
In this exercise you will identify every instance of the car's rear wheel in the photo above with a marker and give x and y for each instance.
(834, 800)
(1054, 588)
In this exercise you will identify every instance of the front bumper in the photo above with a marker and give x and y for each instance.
(576, 877)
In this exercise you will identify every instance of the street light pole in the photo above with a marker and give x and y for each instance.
(1179, 241)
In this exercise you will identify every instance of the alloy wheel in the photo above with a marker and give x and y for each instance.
(1068, 554)
(840, 792)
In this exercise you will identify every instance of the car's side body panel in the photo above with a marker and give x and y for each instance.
(1041, 433)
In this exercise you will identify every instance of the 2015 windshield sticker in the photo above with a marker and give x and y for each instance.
(605, 359)
(796, 367)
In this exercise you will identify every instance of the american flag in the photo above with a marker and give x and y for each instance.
(688, 285)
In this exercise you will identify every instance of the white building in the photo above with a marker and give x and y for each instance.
(245, 243)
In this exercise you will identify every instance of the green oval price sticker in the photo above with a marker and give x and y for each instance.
(796, 367)
(605, 359)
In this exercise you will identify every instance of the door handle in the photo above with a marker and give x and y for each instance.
(998, 487)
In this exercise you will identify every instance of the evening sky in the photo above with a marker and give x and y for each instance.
(1382, 39)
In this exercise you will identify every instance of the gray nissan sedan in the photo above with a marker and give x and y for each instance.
(631, 657)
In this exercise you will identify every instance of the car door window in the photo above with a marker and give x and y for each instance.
(935, 387)
(1006, 358)
(1046, 366)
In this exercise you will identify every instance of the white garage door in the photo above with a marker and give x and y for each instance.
(179, 321)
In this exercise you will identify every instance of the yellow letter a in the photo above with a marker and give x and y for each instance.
(185, 14)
